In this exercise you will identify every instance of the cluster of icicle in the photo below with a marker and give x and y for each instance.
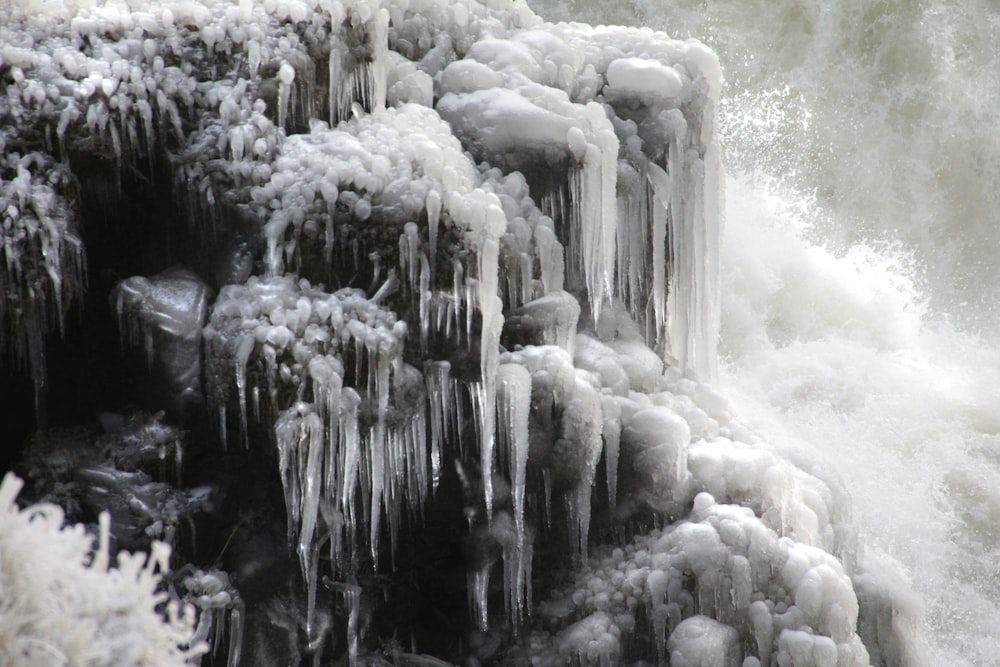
(288, 354)
(486, 172)
(42, 265)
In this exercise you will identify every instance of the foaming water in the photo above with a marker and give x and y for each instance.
(834, 357)
(861, 267)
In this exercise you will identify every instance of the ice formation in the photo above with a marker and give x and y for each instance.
(460, 256)
(42, 270)
(791, 603)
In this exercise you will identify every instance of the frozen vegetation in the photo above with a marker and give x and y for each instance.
(63, 604)
(450, 291)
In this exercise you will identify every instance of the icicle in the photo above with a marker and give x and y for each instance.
(337, 79)
(607, 142)
(286, 76)
(415, 470)
(523, 584)
(288, 436)
(633, 244)
(116, 142)
(593, 209)
(102, 555)
(478, 582)
(235, 635)
(425, 301)
(254, 57)
(379, 367)
(218, 629)
(353, 595)
(437, 376)
(311, 479)
(314, 634)
(223, 426)
(327, 388)
(491, 310)
(458, 280)
(433, 204)
(526, 266)
(513, 408)
(481, 409)
(660, 613)
(516, 552)
(350, 438)
(578, 510)
(409, 256)
(660, 182)
(244, 347)
(468, 308)
(612, 444)
(547, 496)
(694, 205)
(395, 471)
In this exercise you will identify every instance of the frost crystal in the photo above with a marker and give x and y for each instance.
(63, 603)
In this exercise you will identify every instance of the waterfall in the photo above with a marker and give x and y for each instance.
(350, 304)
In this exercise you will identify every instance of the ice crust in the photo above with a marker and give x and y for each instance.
(476, 244)
(791, 603)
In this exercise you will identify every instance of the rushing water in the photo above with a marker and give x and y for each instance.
(861, 267)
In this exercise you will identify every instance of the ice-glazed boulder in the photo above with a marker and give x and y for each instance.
(164, 315)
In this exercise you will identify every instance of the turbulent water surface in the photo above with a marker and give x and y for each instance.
(861, 267)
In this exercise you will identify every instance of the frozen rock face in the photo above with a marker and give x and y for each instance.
(450, 310)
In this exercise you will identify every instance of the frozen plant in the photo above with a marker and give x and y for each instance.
(63, 605)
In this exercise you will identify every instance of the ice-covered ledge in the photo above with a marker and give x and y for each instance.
(102, 78)
(460, 256)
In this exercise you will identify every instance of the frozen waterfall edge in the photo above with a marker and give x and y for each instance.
(503, 207)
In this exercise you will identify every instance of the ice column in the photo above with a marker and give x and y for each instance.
(513, 411)
(685, 199)
(300, 436)
(659, 181)
(593, 206)
(493, 224)
(695, 198)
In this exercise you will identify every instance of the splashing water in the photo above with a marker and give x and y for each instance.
(860, 270)
(838, 352)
